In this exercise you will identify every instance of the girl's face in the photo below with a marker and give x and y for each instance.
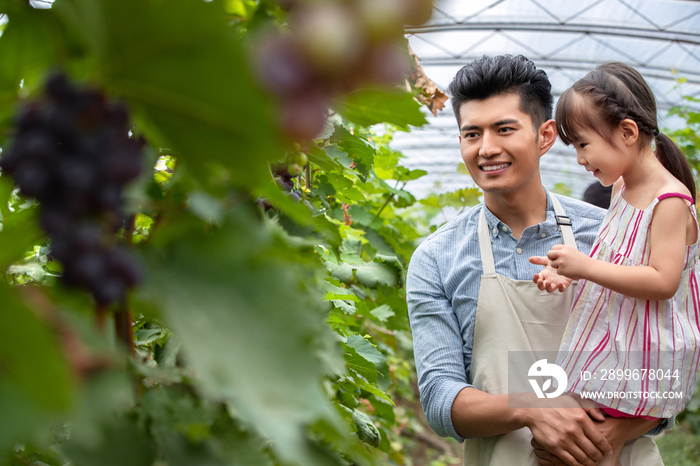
(607, 161)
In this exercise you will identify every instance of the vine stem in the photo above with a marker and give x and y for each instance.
(391, 196)
(129, 229)
(101, 312)
(123, 321)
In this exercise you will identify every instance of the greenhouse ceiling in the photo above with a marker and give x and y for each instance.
(566, 39)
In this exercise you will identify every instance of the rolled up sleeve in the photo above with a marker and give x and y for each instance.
(437, 342)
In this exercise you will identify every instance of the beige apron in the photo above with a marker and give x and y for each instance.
(514, 315)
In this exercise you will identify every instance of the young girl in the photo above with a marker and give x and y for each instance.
(633, 334)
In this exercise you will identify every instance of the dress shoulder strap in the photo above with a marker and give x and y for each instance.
(684, 196)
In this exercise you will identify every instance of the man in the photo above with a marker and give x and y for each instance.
(470, 293)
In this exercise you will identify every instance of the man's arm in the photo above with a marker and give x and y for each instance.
(437, 341)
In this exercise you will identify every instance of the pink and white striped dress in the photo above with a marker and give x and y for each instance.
(608, 331)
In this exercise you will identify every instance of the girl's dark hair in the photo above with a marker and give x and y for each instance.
(611, 93)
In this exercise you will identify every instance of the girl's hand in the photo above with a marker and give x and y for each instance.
(548, 279)
(568, 261)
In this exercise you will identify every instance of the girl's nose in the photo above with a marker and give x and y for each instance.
(580, 159)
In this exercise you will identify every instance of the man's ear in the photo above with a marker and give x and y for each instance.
(547, 134)
(629, 131)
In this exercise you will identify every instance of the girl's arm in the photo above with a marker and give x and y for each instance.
(657, 281)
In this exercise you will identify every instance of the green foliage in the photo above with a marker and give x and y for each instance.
(679, 447)
(688, 137)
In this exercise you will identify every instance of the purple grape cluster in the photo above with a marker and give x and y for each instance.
(72, 152)
(332, 48)
(285, 181)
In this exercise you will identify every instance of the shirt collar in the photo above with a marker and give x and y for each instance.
(548, 227)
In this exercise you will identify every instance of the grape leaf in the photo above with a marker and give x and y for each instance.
(383, 312)
(233, 297)
(376, 273)
(368, 107)
(365, 349)
(360, 364)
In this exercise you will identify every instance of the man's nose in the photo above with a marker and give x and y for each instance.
(489, 145)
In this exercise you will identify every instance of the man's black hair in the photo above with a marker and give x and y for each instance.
(504, 74)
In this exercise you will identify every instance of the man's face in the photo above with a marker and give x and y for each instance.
(499, 145)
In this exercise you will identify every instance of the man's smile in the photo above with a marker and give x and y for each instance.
(494, 167)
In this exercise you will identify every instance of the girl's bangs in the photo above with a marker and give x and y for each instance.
(572, 115)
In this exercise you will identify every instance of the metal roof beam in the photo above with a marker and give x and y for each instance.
(618, 30)
(656, 72)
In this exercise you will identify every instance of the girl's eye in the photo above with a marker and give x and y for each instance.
(583, 144)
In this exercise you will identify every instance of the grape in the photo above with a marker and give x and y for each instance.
(85, 268)
(264, 204)
(417, 11)
(308, 204)
(108, 290)
(58, 87)
(304, 116)
(280, 170)
(332, 47)
(79, 176)
(296, 196)
(299, 158)
(123, 266)
(380, 18)
(329, 35)
(72, 152)
(54, 221)
(33, 180)
(294, 169)
(86, 237)
(282, 66)
(28, 117)
(387, 64)
(109, 197)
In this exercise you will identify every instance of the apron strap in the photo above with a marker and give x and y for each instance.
(563, 222)
(487, 264)
(485, 245)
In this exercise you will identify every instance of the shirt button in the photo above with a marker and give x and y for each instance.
(519, 251)
(504, 228)
(495, 230)
(543, 235)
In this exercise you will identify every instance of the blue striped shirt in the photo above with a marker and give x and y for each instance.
(443, 288)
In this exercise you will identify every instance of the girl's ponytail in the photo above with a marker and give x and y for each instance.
(671, 157)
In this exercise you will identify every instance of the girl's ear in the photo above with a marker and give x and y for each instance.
(629, 131)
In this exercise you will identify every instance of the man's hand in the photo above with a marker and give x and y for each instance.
(568, 261)
(548, 279)
(616, 430)
(568, 433)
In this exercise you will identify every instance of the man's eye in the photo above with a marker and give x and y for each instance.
(505, 129)
(471, 135)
